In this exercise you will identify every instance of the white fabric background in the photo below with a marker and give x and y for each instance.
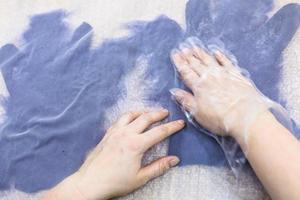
(106, 17)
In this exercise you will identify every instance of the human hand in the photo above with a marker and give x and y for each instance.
(222, 99)
(114, 167)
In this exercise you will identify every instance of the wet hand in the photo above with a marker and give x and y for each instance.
(222, 99)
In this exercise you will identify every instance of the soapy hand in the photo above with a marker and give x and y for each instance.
(114, 167)
(223, 100)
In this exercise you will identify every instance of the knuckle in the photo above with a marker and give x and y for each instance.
(118, 136)
(145, 179)
(180, 99)
(115, 138)
(129, 114)
(133, 145)
(187, 79)
(183, 72)
(163, 166)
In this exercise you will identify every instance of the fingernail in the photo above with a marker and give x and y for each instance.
(164, 110)
(174, 161)
(181, 121)
(217, 52)
(173, 91)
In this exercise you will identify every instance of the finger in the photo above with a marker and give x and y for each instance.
(222, 59)
(157, 168)
(184, 98)
(193, 61)
(205, 58)
(186, 73)
(159, 133)
(196, 65)
(128, 118)
(186, 53)
(147, 119)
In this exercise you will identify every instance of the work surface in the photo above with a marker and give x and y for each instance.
(191, 182)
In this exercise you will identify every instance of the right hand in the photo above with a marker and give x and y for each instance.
(223, 100)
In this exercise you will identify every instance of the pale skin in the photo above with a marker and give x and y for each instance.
(114, 168)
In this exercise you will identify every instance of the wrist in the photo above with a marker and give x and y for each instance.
(64, 190)
(262, 121)
(241, 117)
(91, 189)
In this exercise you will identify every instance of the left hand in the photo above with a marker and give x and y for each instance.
(114, 167)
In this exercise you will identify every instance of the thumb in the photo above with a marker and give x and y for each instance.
(157, 168)
(184, 98)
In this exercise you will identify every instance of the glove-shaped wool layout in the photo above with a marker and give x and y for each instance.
(60, 88)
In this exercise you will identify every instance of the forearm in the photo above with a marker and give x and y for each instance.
(274, 154)
(225, 102)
